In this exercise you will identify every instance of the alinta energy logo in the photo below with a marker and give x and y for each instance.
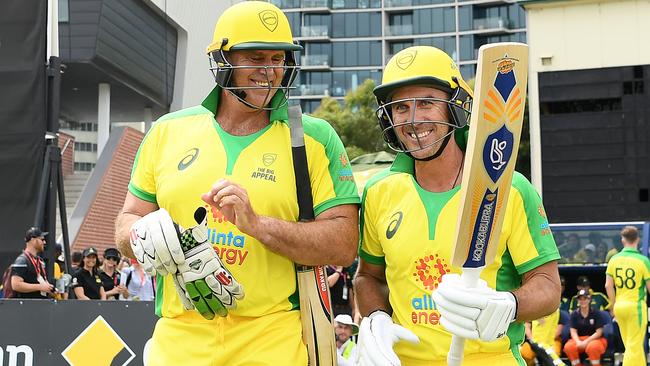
(188, 159)
(406, 60)
(429, 271)
(229, 245)
(269, 19)
(84, 350)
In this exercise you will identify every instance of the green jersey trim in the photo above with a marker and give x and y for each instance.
(433, 210)
(635, 253)
(294, 298)
(278, 113)
(379, 261)
(141, 194)
(334, 202)
(160, 283)
(187, 112)
(234, 145)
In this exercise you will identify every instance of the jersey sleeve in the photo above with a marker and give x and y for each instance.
(143, 182)
(531, 243)
(76, 279)
(370, 249)
(330, 173)
(20, 267)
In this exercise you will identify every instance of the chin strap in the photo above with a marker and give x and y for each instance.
(437, 153)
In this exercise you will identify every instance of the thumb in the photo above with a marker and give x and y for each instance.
(405, 334)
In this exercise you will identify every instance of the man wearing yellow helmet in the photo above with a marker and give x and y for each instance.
(407, 288)
(212, 205)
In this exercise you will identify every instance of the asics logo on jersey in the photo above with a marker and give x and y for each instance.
(188, 159)
(393, 225)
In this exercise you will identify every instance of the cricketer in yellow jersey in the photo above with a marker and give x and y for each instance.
(627, 282)
(212, 206)
(409, 214)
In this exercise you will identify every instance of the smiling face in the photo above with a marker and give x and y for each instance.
(258, 73)
(420, 117)
(343, 332)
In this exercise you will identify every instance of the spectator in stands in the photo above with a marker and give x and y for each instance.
(139, 285)
(339, 280)
(86, 283)
(601, 252)
(586, 254)
(543, 340)
(571, 247)
(586, 332)
(617, 246)
(124, 263)
(28, 277)
(76, 259)
(598, 300)
(110, 276)
(564, 301)
(346, 349)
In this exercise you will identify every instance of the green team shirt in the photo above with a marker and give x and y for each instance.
(410, 231)
(630, 271)
(185, 152)
(599, 301)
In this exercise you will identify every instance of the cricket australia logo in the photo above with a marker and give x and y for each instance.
(393, 225)
(497, 152)
(269, 19)
(269, 158)
(406, 60)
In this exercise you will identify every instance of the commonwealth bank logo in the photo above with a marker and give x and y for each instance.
(98, 344)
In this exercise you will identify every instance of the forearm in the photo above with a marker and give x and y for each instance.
(372, 294)
(80, 294)
(332, 279)
(328, 241)
(123, 225)
(539, 294)
(598, 334)
(609, 288)
(24, 287)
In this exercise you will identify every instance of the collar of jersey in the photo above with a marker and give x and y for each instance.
(630, 250)
(279, 114)
(403, 164)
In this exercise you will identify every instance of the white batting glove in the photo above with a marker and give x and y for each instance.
(474, 313)
(198, 273)
(377, 335)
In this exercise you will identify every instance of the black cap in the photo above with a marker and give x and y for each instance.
(89, 251)
(112, 253)
(34, 232)
(582, 281)
(584, 293)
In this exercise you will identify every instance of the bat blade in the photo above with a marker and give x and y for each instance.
(316, 315)
(490, 158)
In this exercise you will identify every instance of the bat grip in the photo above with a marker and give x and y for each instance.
(469, 278)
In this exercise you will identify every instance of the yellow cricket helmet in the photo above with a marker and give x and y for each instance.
(424, 66)
(254, 25)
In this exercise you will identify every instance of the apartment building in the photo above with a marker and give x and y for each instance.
(348, 41)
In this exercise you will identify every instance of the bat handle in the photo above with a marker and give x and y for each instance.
(469, 278)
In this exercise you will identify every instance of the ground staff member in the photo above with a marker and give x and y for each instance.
(232, 156)
(628, 273)
(408, 218)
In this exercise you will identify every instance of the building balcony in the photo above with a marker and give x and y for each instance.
(494, 24)
(314, 90)
(314, 32)
(314, 61)
(397, 3)
(399, 30)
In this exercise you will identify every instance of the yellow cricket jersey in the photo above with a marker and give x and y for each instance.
(410, 231)
(630, 271)
(186, 152)
(544, 329)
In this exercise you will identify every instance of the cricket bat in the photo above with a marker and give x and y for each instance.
(316, 315)
(490, 158)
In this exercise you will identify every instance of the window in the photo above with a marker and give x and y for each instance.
(350, 25)
(64, 11)
(363, 53)
(84, 167)
(581, 106)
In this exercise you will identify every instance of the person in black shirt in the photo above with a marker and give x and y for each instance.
(110, 276)
(587, 325)
(340, 283)
(86, 282)
(28, 277)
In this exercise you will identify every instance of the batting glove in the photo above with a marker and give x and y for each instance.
(377, 335)
(200, 277)
(474, 313)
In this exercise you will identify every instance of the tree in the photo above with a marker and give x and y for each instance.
(355, 120)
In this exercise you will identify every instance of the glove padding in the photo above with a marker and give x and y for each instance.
(199, 276)
(474, 313)
(377, 335)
